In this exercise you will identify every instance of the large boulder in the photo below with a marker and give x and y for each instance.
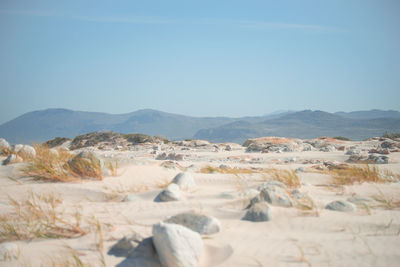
(202, 224)
(184, 180)
(177, 245)
(86, 164)
(171, 193)
(258, 212)
(341, 205)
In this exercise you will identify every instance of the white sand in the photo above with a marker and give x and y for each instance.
(289, 239)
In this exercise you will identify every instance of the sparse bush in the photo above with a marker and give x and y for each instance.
(391, 135)
(94, 138)
(342, 138)
(56, 141)
(138, 138)
(226, 170)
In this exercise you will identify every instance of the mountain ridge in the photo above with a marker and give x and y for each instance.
(42, 125)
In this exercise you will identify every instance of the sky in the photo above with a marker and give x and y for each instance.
(200, 58)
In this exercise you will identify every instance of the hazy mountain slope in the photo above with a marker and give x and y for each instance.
(303, 124)
(370, 114)
(43, 125)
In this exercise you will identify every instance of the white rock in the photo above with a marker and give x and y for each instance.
(4, 144)
(28, 151)
(341, 205)
(171, 193)
(17, 148)
(53, 152)
(259, 212)
(202, 224)
(12, 159)
(184, 180)
(176, 245)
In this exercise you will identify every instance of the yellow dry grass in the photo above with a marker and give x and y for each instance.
(352, 174)
(226, 170)
(51, 166)
(288, 177)
(39, 217)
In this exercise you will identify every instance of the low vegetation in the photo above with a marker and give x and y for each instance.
(288, 177)
(391, 135)
(39, 217)
(94, 138)
(226, 170)
(56, 141)
(342, 138)
(386, 202)
(351, 174)
(57, 166)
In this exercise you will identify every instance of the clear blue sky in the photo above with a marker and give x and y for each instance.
(202, 58)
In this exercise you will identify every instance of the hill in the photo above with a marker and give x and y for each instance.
(303, 124)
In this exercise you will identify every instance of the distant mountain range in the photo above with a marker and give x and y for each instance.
(39, 126)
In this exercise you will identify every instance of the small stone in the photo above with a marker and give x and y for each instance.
(300, 169)
(12, 159)
(258, 212)
(125, 245)
(341, 205)
(171, 193)
(275, 195)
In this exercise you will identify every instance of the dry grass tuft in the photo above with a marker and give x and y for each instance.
(54, 167)
(163, 183)
(288, 177)
(386, 202)
(351, 174)
(307, 206)
(38, 217)
(226, 170)
(113, 167)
